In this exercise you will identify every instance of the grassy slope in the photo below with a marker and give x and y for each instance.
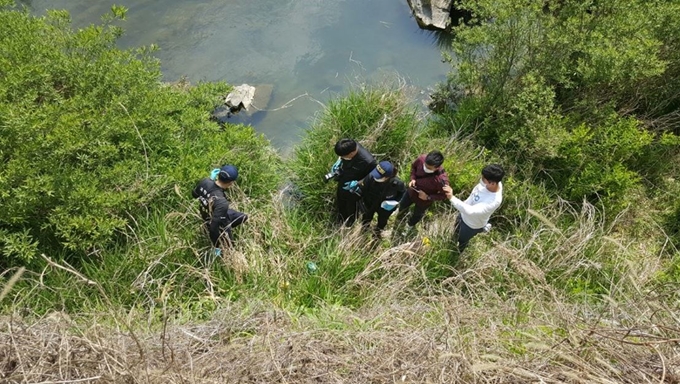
(552, 295)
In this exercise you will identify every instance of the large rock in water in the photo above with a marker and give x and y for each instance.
(240, 97)
(250, 98)
(243, 103)
(432, 14)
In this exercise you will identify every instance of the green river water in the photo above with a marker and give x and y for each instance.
(307, 50)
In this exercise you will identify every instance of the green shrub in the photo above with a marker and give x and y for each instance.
(557, 87)
(596, 162)
(91, 139)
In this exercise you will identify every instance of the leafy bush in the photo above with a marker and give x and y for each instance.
(597, 162)
(583, 49)
(556, 86)
(90, 138)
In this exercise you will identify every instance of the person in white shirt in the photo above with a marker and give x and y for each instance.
(475, 211)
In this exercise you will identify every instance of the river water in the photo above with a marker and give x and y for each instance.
(307, 50)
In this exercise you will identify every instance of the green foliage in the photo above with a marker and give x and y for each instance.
(332, 282)
(555, 86)
(672, 224)
(529, 125)
(597, 161)
(517, 196)
(90, 139)
(18, 245)
(670, 276)
(657, 98)
(437, 263)
(577, 46)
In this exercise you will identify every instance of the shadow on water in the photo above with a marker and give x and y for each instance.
(439, 38)
(222, 115)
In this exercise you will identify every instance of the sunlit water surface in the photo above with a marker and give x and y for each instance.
(308, 50)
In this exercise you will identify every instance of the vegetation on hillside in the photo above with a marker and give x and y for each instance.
(579, 93)
(91, 140)
(102, 248)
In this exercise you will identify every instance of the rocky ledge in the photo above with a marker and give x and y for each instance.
(432, 14)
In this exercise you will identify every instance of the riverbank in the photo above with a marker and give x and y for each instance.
(319, 50)
(577, 281)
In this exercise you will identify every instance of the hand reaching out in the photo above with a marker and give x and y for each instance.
(448, 191)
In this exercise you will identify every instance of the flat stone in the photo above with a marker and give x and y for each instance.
(263, 93)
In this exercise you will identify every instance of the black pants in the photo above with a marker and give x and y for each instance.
(348, 206)
(418, 212)
(463, 233)
(383, 217)
(235, 218)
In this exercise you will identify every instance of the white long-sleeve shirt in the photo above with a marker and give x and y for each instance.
(478, 207)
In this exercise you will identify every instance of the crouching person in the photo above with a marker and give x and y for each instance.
(380, 193)
(219, 219)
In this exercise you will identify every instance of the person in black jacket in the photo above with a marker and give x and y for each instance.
(354, 163)
(219, 218)
(380, 193)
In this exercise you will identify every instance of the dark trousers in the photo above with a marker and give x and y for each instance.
(418, 212)
(464, 233)
(383, 216)
(235, 218)
(348, 206)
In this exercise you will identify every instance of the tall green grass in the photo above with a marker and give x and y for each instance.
(552, 290)
(549, 244)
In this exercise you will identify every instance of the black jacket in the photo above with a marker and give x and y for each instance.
(205, 190)
(214, 207)
(357, 168)
(374, 193)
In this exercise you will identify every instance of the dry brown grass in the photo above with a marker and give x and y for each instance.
(436, 339)
(410, 329)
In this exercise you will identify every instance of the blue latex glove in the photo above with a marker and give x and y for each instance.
(214, 173)
(352, 186)
(389, 205)
(218, 252)
(336, 165)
